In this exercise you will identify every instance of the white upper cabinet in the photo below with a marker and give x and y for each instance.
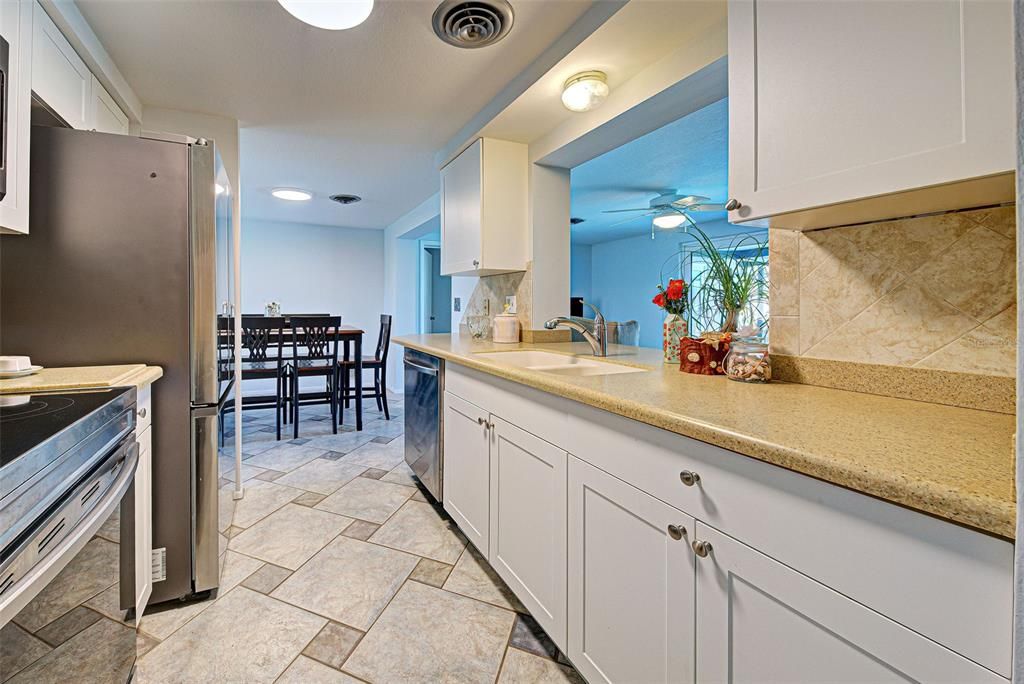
(16, 29)
(107, 117)
(59, 76)
(484, 196)
(844, 112)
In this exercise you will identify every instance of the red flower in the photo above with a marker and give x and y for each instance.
(675, 289)
(659, 299)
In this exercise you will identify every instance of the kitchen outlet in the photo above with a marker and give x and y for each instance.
(458, 304)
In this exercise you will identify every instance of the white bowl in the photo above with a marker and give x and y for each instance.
(15, 363)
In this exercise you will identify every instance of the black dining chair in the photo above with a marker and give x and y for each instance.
(314, 354)
(379, 363)
(263, 342)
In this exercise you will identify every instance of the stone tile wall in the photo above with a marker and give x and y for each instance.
(488, 298)
(930, 292)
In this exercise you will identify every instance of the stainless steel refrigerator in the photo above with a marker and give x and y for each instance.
(129, 259)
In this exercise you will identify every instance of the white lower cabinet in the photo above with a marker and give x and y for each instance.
(528, 522)
(631, 582)
(761, 621)
(466, 476)
(144, 522)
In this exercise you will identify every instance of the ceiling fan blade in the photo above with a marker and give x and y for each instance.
(619, 211)
(708, 206)
(627, 220)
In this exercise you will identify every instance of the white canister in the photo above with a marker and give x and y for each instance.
(506, 328)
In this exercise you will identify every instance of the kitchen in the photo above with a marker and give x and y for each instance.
(502, 503)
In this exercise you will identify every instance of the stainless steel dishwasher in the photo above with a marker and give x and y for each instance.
(424, 416)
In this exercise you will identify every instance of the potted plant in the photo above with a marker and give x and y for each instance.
(672, 299)
(733, 281)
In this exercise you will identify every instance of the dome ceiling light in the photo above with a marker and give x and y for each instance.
(334, 15)
(669, 219)
(585, 91)
(292, 194)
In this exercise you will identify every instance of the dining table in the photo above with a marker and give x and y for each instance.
(351, 340)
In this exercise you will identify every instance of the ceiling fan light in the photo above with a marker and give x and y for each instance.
(334, 15)
(668, 219)
(292, 194)
(585, 91)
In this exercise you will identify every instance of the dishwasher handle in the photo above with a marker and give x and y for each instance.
(422, 369)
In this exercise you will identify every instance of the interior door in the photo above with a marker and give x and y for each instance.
(631, 584)
(760, 621)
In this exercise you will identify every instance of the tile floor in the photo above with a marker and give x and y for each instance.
(336, 568)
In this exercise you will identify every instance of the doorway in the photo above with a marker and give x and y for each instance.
(435, 292)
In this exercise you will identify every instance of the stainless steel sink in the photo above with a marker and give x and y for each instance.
(559, 364)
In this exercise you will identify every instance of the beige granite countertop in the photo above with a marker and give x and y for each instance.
(82, 377)
(955, 463)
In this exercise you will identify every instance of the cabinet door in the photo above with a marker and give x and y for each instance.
(16, 29)
(760, 621)
(528, 522)
(837, 101)
(59, 76)
(461, 207)
(107, 117)
(144, 522)
(631, 583)
(467, 469)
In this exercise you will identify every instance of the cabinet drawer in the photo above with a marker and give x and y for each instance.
(946, 582)
(143, 409)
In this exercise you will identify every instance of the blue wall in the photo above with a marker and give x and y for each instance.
(580, 271)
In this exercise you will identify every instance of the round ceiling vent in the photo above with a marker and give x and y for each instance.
(345, 199)
(472, 24)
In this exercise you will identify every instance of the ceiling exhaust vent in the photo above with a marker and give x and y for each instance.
(345, 199)
(473, 24)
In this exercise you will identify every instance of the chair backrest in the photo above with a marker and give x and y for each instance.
(317, 336)
(383, 338)
(263, 338)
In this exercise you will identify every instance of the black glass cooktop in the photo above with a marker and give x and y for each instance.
(26, 421)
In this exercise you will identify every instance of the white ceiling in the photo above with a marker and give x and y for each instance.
(360, 111)
(689, 155)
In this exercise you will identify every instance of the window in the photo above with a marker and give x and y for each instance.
(705, 313)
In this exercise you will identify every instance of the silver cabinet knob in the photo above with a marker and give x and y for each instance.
(484, 422)
(689, 478)
(732, 205)
(142, 412)
(701, 548)
(476, 263)
(677, 532)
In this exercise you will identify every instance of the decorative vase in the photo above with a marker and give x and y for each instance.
(673, 331)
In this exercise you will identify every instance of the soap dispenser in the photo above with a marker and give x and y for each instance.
(506, 327)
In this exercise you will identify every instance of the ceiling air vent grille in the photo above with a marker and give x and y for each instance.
(472, 24)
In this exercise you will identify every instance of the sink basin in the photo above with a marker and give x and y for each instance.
(559, 364)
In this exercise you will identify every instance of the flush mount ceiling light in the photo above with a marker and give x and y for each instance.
(668, 219)
(585, 91)
(334, 15)
(292, 194)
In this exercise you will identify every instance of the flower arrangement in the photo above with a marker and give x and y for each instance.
(672, 298)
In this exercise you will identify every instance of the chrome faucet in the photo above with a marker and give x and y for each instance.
(598, 339)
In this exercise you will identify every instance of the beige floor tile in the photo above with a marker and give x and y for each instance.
(285, 457)
(89, 573)
(18, 649)
(66, 626)
(383, 456)
(290, 536)
(361, 530)
(333, 644)
(226, 467)
(525, 668)
(349, 581)
(321, 475)
(308, 671)
(417, 528)
(243, 637)
(260, 500)
(474, 577)
(385, 428)
(401, 474)
(367, 499)
(431, 572)
(267, 578)
(100, 653)
(430, 635)
(162, 621)
(343, 442)
(111, 527)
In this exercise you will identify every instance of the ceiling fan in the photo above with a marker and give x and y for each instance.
(671, 210)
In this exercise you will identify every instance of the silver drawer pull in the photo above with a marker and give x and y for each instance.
(689, 478)
(677, 532)
(701, 548)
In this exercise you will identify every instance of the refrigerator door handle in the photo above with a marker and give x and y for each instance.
(205, 527)
(203, 272)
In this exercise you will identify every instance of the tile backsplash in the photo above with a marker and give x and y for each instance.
(930, 292)
(488, 299)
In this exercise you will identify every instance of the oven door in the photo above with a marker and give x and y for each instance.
(60, 614)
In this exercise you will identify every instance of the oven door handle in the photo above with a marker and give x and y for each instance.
(18, 596)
